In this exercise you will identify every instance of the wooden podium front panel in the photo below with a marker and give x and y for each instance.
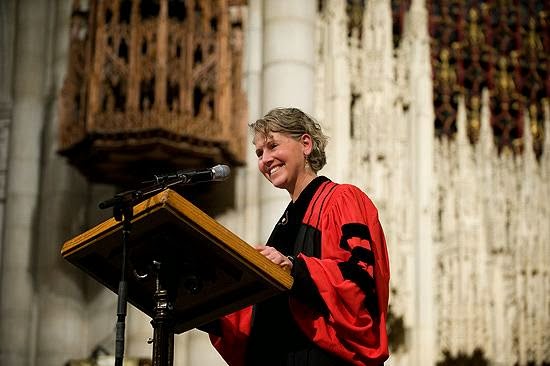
(209, 270)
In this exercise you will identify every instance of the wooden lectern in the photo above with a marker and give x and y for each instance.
(205, 270)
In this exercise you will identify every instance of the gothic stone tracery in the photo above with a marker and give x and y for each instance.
(502, 46)
(491, 174)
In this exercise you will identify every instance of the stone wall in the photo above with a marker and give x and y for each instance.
(467, 227)
(492, 234)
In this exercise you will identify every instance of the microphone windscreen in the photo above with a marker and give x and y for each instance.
(221, 172)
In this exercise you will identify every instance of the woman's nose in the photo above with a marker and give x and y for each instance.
(267, 159)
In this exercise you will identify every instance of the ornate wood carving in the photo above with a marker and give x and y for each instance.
(153, 81)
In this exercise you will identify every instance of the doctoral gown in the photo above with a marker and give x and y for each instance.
(335, 313)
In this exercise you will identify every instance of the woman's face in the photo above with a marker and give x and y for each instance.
(281, 159)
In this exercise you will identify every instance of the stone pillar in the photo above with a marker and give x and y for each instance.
(62, 214)
(288, 78)
(253, 76)
(17, 290)
(7, 32)
(337, 92)
(422, 143)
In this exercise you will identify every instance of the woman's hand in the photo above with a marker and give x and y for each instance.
(275, 256)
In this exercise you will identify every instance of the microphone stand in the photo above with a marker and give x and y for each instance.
(123, 211)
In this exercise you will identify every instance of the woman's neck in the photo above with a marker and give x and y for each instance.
(301, 183)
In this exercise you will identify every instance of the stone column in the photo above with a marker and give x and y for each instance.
(23, 169)
(422, 143)
(337, 92)
(288, 79)
(253, 76)
(62, 215)
(7, 37)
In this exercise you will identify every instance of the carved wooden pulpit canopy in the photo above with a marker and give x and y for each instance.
(153, 84)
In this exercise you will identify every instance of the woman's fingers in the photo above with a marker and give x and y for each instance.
(270, 253)
(275, 256)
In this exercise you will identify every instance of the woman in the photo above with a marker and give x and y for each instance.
(330, 238)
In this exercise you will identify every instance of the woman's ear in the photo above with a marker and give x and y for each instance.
(307, 143)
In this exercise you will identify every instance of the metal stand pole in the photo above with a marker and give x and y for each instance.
(124, 214)
(163, 334)
(163, 324)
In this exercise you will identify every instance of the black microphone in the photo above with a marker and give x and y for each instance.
(214, 174)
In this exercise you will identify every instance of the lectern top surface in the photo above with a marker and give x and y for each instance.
(211, 271)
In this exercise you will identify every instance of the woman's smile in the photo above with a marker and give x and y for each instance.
(275, 169)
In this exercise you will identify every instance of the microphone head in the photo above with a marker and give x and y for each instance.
(221, 172)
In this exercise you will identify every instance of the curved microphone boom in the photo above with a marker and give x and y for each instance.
(161, 181)
(214, 174)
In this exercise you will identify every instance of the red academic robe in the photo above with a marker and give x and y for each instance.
(350, 273)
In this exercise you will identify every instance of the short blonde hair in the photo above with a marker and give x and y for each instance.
(294, 123)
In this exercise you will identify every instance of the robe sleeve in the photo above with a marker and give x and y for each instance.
(352, 278)
(231, 341)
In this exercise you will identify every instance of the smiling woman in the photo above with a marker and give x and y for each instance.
(331, 241)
